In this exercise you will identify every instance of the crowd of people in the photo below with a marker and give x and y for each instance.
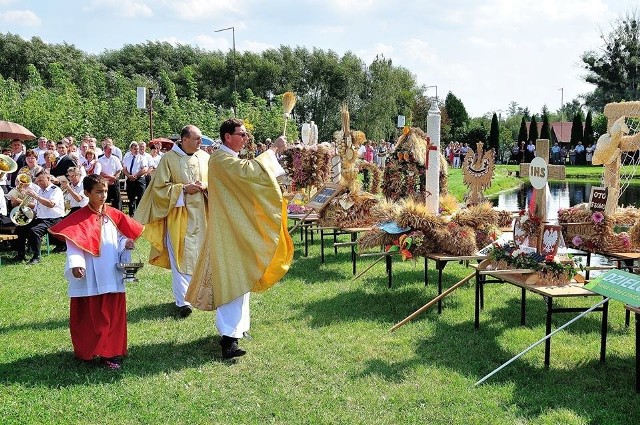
(74, 195)
(559, 154)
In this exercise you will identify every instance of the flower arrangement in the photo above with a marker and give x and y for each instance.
(406, 244)
(550, 271)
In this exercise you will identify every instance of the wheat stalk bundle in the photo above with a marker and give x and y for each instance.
(288, 102)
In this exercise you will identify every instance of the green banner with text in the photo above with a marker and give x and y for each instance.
(618, 285)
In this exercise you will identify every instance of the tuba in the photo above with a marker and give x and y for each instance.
(22, 214)
(7, 165)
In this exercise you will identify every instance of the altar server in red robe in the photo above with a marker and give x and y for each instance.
(98, 237)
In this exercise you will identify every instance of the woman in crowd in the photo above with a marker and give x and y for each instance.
(91, 165)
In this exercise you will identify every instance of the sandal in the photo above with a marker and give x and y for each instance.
(112, 363)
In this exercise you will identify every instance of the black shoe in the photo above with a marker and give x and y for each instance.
(34, 261)
(185, 311)
(17, 259)
(230, 348)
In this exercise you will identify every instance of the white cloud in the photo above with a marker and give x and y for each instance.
(256, 46)
(212, 43)
(369, 54)
(192, 10)
(123, 8)
(20, 17)
(351, 6)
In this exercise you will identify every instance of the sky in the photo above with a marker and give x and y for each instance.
(488, 53)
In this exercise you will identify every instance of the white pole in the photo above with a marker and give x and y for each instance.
(433, 173)
(541, 341)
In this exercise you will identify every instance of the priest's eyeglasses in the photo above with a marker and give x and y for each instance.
(243, 134)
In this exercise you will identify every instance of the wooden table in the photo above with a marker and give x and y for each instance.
(307, 222)
(7, 237)
(441, 261)
(548, 293)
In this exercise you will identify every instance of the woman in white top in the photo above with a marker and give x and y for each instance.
(91, 166)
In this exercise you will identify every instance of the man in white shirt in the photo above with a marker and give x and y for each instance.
(135, 167)
(149, 159)
(41, 149)
(93, 145)
(111, 167)
(49, 209)
(115, 151)
(74, 190)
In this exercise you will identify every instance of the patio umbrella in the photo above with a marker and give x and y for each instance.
(207, 141)
(165, 144)
(10, 130)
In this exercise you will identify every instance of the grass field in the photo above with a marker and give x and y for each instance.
(321, 353)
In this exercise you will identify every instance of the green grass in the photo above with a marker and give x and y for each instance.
(321, 353)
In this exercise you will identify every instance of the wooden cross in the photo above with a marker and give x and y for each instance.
(556, 172)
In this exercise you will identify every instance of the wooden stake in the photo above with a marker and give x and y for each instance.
(432, 302)
(368, 268)
(299, 223)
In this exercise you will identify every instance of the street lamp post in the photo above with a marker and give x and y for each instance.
(561, 111)
(235, 77)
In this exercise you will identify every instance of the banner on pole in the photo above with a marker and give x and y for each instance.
(618, 285)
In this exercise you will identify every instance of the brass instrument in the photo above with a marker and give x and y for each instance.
(65, 186)
(22, 214)
(7, 165)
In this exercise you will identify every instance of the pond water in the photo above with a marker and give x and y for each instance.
(562, 195)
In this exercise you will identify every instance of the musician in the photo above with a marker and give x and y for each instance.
(49, 210)
(74, 190)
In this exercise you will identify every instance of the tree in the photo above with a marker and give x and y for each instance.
(615, 68)
(493, 142)
(589, 136)
(458, 117)
(577, 131)
(570, 109)
(522, 134)
(545, 131)
(533, 130)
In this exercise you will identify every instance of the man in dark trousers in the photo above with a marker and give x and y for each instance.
(135, 168)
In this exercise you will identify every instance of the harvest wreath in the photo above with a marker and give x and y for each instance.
(591, 231)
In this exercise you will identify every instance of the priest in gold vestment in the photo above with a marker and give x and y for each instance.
(248, 246)
(174, 211)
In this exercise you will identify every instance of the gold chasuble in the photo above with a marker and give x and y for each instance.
(248, 247)
(186, 224)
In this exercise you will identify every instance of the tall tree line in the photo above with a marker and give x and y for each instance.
(56, 89)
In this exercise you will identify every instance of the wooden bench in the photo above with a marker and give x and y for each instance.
(6, 237)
